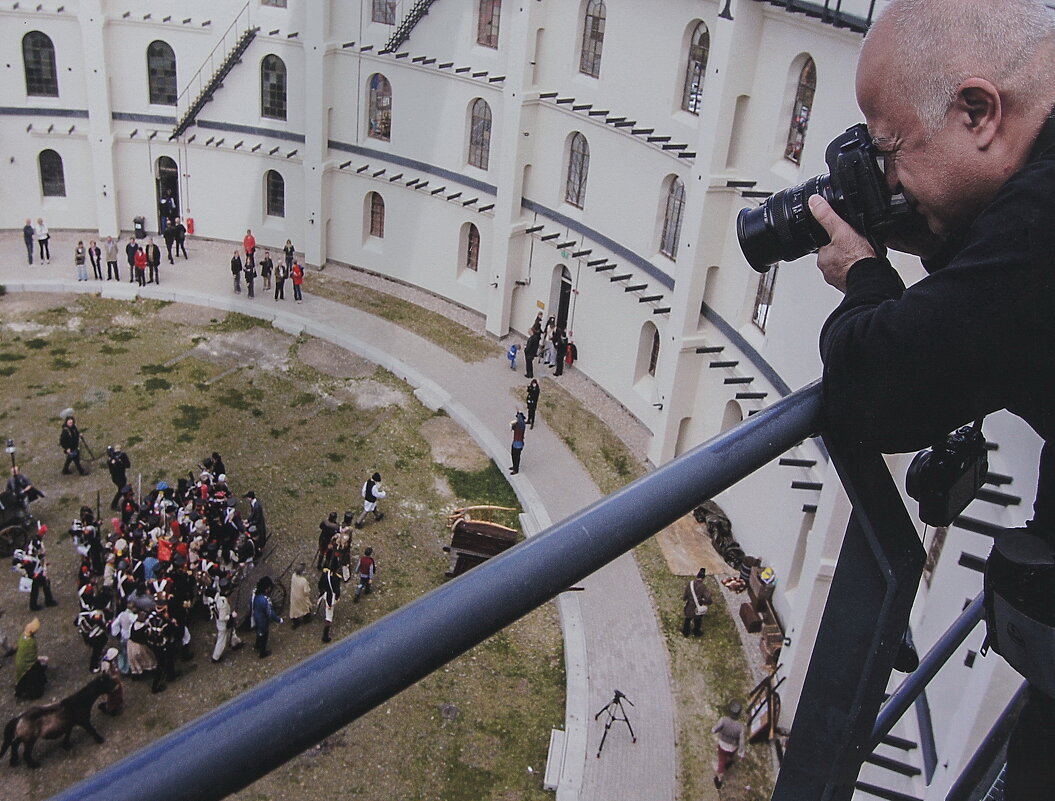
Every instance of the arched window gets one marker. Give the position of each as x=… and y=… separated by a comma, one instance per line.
x=647, y=351
x=592, y=39
x=384, y=11
x=764, y=298
x=377, y=215
x=653, y=356
x=668, y=243
x=480, y=134
x=273, y=88
x=472, y=247
x=38, y=58
x=52, y=177
x=696, y=68
x=578, y=169
x=380, y=112
x=487, y=25
x=161, y=74
x=800, y=111
x=275, y=194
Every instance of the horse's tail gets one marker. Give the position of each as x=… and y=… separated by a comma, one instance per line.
x=9, y=735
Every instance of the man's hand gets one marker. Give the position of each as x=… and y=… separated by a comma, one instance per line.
x=846, y=248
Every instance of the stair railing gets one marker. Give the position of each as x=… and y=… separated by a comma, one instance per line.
x=213, y=62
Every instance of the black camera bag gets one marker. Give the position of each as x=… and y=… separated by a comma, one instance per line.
x=1020, y=605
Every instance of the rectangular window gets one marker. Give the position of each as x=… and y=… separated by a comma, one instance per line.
x=275, y=3
x=385, y=12
x=764, y=297
x=487, y=27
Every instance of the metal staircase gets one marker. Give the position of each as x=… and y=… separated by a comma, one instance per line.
x=209, y=77
x=406, y=25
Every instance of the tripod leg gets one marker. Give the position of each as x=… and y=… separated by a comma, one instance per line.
x=604, y=736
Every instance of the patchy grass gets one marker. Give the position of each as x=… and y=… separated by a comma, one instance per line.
x=507, y=693
x=459, y=340
x=706, y=672
x=606, y=458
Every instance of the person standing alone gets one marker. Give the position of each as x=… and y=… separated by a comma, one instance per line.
x=70, y=442
x=516, y=450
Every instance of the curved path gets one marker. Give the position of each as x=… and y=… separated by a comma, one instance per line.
x=611, y=635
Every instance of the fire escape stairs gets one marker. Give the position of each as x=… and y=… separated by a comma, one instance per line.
x=215, y=82
x=406, y=25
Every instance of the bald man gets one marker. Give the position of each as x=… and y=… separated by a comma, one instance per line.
x=958, y=97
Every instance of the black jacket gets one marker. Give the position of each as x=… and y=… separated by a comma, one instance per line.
x=903, y=367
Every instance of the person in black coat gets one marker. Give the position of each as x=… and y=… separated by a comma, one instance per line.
x=254, y=523
x=153, y=261
x=118, y=463
x=169, y=235
x=531, y=351
x=236, y=271
x=70, y=442
x=533, y=392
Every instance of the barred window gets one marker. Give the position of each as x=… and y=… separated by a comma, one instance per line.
x=273, y=88
x=653, y=356
x=380, y=116
x=764, y=297
x=275, y=192
x=800, y=111
x=487, y=24
x=592, y=39
x=38, y=58
x=384, y=11
x=668, y=244
x=578, y=169
x=695, y=69
x=480, y=134
x=161, y=74
x=472, y=247
x=377, y=215
x=275, y=3
x=52, y=177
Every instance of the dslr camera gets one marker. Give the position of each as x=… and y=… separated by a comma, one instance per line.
x=783, y=229
x=945, y=478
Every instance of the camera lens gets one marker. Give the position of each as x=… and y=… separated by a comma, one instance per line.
x=782, y=228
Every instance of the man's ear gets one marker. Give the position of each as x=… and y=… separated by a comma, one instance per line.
x=979, y=109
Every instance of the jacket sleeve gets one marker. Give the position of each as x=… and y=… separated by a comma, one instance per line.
x=903, y=367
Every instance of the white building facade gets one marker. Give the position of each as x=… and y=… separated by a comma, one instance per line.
x=585, y=159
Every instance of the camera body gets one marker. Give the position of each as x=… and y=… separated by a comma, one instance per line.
x=783, y=229
x=945, y=478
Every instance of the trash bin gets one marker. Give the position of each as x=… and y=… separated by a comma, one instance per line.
x=139, y=224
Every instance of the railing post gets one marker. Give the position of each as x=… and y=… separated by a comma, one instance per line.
x=862, y=627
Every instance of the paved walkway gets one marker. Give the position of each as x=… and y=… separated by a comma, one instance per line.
x=611, y=634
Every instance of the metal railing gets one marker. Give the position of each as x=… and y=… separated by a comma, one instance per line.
x=198, y=86
x=838, y=720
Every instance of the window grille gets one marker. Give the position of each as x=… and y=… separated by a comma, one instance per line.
x=578, y=169
x=38, y=58
x=696, y=69
x=276, y=194
x=377, y=215
x=592, y=39
x=161, y=74
x=384, y=11
x=380, y=100
x=273, y=88
x=668, y=245
x=472, y=248
x=764, y=298
x=480, y=134
x=800, y=111
x=52, y=177
x=487, y=25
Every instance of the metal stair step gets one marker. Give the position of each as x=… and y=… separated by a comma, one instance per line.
x=883, y=792
x=895, y=765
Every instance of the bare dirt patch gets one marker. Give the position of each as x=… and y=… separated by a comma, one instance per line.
x=451, y=446
x=370, y=394
x=263, y=347
x=186, y=314
x=333, y=360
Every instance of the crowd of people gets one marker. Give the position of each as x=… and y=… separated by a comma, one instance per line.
x=244, y=268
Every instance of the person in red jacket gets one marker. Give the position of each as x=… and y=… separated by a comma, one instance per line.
x=298, y=279
x=140, y=262
x=249, y=242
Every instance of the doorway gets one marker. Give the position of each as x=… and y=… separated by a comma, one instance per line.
x=167, y=186
x=563, y=297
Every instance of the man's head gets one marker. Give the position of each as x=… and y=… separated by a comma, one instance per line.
x=954, y=92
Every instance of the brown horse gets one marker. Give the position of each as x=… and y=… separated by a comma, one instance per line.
x=55, y=720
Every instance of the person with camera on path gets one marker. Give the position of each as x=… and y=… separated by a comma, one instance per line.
x=958, y=96
x=697, y=600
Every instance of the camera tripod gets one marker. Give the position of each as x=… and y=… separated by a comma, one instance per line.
x=615, y=711
x=87, y=448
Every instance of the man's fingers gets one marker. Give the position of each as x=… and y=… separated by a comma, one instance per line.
x=822, y=212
